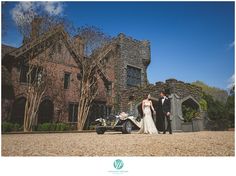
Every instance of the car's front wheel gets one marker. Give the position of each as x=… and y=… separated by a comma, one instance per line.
x=127, y=127
x=100, y=130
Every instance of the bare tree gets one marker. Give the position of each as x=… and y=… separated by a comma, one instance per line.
x=93, y=38
x=36, y=87
x=39, y=77
x=91, y=67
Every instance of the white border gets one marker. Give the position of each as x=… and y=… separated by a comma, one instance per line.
x=76, y=166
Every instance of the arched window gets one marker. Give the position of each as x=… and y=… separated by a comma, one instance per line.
x=190, y=109
x=45, y=111
x=18, y=111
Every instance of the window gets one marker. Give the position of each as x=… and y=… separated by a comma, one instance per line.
x=35, y=75
x=99, y=109
x=102, y=110
x=66, y=80
x=109, y=89
x=23, y=74
x=108, y=110
x=133, y=76
x=73, y=112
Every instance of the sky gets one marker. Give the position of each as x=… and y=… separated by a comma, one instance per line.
x=189, y=40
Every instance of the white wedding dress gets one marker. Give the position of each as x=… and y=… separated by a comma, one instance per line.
x=147, y=123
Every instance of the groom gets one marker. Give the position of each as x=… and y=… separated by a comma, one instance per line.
x=164, y=110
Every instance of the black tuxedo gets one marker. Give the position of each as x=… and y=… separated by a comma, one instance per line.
x=163, y=108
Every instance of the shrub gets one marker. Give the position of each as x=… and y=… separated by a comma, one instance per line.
x=62, y=127
x=203, y=104
x=59, y=127
x=229, y=108
x=215, y=109
x=8, y=127
x=53, y=127
x=17, y=127
x=44, y=127
x=189, y=113
x=92, y=127
x=218, y=113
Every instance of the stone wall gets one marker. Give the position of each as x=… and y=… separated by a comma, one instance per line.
x=178, y=92
x=183, y=89
x=132, y=53
x=171, y=85
x=129, y=52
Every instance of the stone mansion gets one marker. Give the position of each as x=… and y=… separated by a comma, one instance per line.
x=127, y=60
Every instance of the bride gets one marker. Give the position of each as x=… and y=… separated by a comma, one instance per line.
x=147, y=126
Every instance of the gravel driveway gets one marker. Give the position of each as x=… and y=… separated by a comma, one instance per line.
x=115, y=144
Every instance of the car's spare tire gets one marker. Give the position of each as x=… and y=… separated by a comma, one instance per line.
x=100, y=130
x=127, y=127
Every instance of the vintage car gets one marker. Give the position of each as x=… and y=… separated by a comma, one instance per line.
x=122, y=122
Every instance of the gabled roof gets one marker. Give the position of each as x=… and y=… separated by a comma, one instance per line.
x=7, y=49
x=39, y=44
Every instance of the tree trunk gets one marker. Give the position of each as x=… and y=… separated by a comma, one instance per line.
x=86, y=97
x=31, y=108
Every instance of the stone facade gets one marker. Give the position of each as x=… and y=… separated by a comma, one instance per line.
x=56, y=66
x=126, y=65
x=132, y=53
x=178, y=91
x=125, y=52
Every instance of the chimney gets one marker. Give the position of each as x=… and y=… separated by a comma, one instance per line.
x=35, y=28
